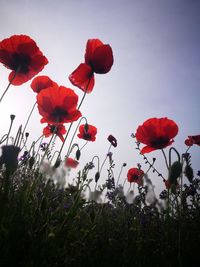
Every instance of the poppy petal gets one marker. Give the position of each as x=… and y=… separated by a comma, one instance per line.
x=20, y=78
x=41, y=82
x=20, y=52
x=102, y=59
x=58, y=105
x=83, y=78
x=91, y=45
x=147, y=149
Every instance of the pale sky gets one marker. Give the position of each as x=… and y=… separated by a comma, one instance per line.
x=156, y=71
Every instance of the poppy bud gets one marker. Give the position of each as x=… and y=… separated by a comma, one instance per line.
x=10, y=157
x=97, y=176
x=175, y=171
x=78, y=154
x=12, y=117
x=57, y=163
x=189, y=173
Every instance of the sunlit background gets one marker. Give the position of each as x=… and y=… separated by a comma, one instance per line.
x=156, y=71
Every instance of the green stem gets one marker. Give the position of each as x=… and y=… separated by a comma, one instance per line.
x=119, y=174
x=16, y=72
x=52, y=137
x=83, y=145
x=72, y=122
x=9, y=131
x=74, y=134
x=28, y=121
x=165, y=159
x=105, y=159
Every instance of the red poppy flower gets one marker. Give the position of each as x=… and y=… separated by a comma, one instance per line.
x=156, y=133
x=112, y=140
x=42, y=82
x=59, y=130
x=98, y=59
x=193, y=140
x=71, y=163
x=20, y=54
x=57, y=105
x=135, y=175
x=89, y=134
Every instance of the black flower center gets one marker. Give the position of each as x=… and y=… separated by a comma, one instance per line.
x=22, y=61
x=160, y=142
x=59, y=114
x=86, y=136
x=135, y=177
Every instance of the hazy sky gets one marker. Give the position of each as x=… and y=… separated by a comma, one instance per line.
x=156, y=71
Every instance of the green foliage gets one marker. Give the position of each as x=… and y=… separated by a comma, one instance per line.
x=42, y=224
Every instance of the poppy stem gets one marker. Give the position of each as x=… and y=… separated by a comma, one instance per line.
x=170, y=156
x=119, y=174
x=18, y=135
x=27, y=121
x=165, y=159
x=47, y=149
x=83, y=145
x=105, y=159
x=129, y=188
x=124, y=183
x=84, y=94
x=11, y=123
x=70, y=126
x=74, y=134
x=15, y=74
x=41, y=137
x=3, y=138
x=97, y=170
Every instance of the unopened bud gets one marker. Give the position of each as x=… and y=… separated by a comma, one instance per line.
x=78, y=154
x=175, y=171
x=97, y=176
x=57, y=163
x=12, y=117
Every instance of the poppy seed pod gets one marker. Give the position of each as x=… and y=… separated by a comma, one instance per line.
x=78, y=154
x=12, y=117
x=10, y=157
x=175, y=171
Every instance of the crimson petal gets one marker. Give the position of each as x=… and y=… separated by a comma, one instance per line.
x=83, y=78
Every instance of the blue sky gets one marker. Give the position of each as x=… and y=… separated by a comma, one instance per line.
x=156, y=71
